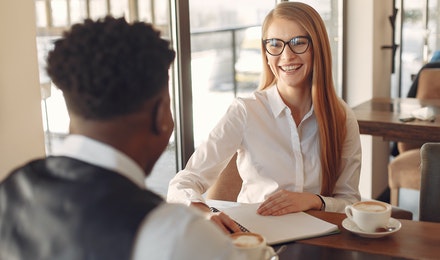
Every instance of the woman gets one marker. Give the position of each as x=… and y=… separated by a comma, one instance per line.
x=298, y=144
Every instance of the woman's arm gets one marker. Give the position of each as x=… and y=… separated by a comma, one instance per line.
x=210, y=158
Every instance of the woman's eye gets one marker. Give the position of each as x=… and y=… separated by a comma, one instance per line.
x=274, y=43
x=298, y=41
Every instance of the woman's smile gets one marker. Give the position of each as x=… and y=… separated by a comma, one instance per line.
x=289, y=68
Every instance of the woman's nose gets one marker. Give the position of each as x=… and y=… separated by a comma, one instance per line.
x=287, y=52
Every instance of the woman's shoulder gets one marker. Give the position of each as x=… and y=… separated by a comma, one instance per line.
x=347, y=108
x=351, y=120
x=256, y=96
x=257, y=101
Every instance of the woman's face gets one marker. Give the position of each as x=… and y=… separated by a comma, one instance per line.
x=290, y=69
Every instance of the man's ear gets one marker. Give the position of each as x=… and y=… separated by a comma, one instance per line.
x=159, y=123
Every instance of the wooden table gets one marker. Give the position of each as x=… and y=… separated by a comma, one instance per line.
x=415, y=240
x=380, y=117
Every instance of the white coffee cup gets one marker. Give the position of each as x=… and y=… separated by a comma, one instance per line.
x=369, y=215
x=252, y=245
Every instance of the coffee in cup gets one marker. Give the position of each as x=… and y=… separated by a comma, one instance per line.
x=369, y=215
x=252, y=245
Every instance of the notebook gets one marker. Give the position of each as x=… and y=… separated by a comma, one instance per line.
x=278, y=229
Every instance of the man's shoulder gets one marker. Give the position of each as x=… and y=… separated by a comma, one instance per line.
x=178, y=209
x=166, y=214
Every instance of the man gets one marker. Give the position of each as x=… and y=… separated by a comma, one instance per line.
x=89, y=200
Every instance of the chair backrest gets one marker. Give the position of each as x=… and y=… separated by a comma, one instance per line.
x=429, y=83
x=414, y=86
x=428, y=87
x=228, y=185
x=430, y=183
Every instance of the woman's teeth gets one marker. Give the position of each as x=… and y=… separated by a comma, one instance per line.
x=290, y=68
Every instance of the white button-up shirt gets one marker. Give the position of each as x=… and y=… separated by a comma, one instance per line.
x=170, y=231
x=273, y=154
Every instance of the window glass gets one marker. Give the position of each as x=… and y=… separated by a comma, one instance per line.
x=78, y=11
x=98, y=8
x=118, y=8
x=419, y=43
x=40, y=8
x=225, y=53
x=433, y=31
x=59, y=12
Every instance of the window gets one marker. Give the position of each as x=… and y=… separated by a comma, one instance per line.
x=221, y=32
x=419, y=41
x=225, y=41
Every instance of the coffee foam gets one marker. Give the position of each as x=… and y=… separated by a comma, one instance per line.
x=370, y=206
x=246, y=240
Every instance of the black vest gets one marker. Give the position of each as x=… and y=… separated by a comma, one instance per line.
x=62, y=208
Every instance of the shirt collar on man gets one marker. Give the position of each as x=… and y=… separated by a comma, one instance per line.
x=100, y=154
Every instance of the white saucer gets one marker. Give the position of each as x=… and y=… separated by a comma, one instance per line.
x=352, y=227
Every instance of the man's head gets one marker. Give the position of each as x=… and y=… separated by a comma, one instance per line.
x=114, y=77
x=108, y=68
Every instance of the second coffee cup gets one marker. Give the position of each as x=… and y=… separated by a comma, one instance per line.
x=369, y=215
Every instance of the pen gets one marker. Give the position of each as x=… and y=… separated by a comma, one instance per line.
x=242, y=228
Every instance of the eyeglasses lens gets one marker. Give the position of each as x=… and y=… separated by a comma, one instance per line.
x=298, y=45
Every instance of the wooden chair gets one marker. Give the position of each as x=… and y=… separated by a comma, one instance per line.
x=404, y=169
x=428, y=82
x=429, y=206
x=229, y=184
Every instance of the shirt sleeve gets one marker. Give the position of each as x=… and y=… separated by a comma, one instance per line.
x=347, y=186
x=179, y=232
x=210, y=158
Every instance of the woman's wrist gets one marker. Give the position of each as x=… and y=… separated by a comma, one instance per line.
x=322, y=207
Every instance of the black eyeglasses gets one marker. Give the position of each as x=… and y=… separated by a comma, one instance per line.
x=298, y=45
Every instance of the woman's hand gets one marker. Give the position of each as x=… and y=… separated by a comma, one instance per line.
x=223, y=221
x=283, y=202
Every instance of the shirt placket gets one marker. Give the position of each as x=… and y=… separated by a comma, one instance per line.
x=298, y=165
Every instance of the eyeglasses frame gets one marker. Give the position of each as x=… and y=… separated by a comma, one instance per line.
x=265, y=41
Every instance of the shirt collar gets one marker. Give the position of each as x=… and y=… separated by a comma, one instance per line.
x=100, y=154
x=277, y=104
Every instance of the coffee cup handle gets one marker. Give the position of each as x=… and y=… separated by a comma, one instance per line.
x=348, y=212
x=270, y=254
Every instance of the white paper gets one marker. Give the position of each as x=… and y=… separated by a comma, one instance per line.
x=424, y=113
x=279, y=229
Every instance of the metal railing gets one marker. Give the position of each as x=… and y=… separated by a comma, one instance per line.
x=233, y=31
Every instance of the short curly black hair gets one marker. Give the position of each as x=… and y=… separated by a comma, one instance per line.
x=108, y=67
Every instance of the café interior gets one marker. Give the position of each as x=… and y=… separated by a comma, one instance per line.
x=378, y=49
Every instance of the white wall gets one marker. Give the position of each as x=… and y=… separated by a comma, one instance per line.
x=21, y=130
x=368, y=69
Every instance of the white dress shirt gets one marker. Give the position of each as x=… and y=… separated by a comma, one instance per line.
x=273, y=154
x=170, y=231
